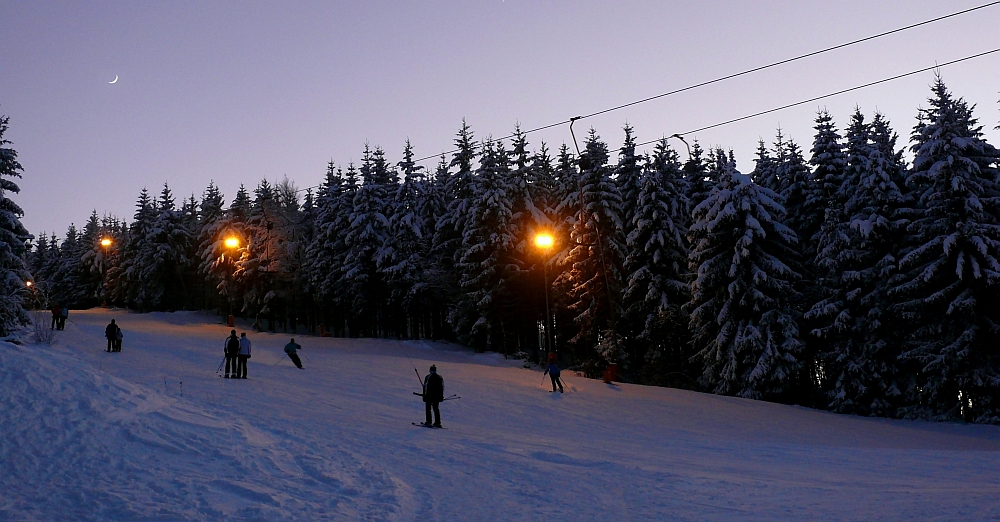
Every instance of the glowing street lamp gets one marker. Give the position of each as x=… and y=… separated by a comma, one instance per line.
x=232, y=242
x=106, y=242
x=544, y=242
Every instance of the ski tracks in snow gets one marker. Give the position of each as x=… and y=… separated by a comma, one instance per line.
x=78, y=444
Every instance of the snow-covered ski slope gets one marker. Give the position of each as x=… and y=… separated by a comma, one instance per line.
x=152, y=434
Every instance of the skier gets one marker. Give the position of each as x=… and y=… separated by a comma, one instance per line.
x=290, y=349
x=111, y=332
x=63, y=315
x=244, y=354
x=433, y=395
x=552, y=370
x=56, y=313
x=231, y=347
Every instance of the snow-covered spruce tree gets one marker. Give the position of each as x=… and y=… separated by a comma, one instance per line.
x=93, y=262
x=131, y=288
x=487, y=264
x=166, y=256
x=368, y=242
x=765, y=172
x=13, y=240
x=857, y=255
x=656, y=268
x=447, y=240
x=410, y=242
x=627, y=175
x=326, y=254
x=950, y=275
x=794, y=178
x=697, y=184
x=597, y=250
x=216, y=261
x=743, y=325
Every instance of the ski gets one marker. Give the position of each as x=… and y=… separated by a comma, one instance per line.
x=422, y=425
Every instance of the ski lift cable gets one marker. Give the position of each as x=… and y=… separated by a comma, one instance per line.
x=736, y=75
x=810, y=100
x=743, y=73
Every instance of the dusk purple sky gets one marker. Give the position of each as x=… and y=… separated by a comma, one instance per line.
x=237, y=92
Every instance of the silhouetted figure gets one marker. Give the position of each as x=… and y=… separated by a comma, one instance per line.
x=242, y=356
x=290, y=349
x=111, y=333
x=231, y=348
x=433, y=395
x=553, y=371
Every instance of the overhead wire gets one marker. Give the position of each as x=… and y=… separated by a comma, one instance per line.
x=746, y=72
x=810, y=100
x=735, y=75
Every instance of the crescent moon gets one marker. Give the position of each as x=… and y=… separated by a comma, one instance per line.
x=116, y=79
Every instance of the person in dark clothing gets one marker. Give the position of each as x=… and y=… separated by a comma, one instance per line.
x=290, y=349
x=242, y=356
x=553, y=372
x=56, y=314
x=63, y=315
x=118, y=340
x=111, y=332
x=232, y=351
x=433, y=395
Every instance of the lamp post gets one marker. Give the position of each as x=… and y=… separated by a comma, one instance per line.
x=232, y=243
x=544, y=242
x=106, y=243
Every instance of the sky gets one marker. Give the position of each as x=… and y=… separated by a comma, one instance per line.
x=237, y=92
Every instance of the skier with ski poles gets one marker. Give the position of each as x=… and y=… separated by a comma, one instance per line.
x=433, y=396
x=290, y=349
x=231, y=348
x=552, y=370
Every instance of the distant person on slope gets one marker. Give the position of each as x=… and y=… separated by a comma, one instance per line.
x=244, y=354
x=63, y=315
x=433, y=395
x=290, y=349
x=552, y=370
x=231, y=347
x=118, y=340
x=111, y=332
x=56, y=313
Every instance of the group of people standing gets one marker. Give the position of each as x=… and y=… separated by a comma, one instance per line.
x=237, y=351
x=59, y=315
x=114, y=335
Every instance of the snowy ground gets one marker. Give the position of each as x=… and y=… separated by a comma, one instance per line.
x=152, y=434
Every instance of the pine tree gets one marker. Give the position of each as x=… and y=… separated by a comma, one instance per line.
x=744, y=328
x=948, y=285
x=857, y=255
x=487, y=265
x=410, y=240
x=367, y=240
x=594, y=261
x=13, y=240
x=656, y=265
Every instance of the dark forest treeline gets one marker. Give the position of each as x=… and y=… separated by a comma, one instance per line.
x=838, y=277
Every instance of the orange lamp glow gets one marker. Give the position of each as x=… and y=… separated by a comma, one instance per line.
x=544, y=240
x=232, y=242
x=28, y=283
x=105, y=242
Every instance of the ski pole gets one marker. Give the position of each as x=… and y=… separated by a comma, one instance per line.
x=453, y=397
x=223, y=362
